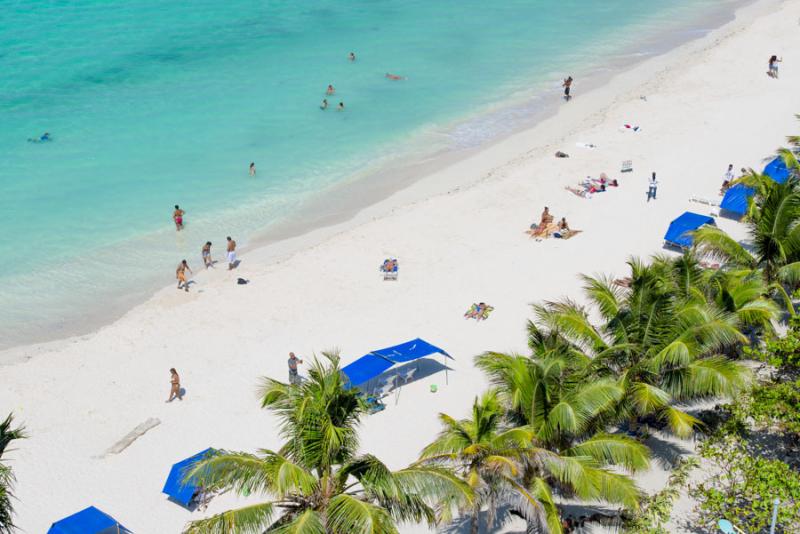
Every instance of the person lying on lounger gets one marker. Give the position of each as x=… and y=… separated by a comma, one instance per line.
x=389, y=265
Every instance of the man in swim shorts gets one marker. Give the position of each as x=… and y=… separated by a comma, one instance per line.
x=294, y=376
x=180, y=274
x=177, y=216
x=566, y=85
x=206, y=252
x=231, y=253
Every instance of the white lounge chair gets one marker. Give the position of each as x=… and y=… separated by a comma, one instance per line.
x=407, y=375
x=627, y=166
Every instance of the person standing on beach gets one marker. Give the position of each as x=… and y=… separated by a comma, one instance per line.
x=567, y=85
x=294, y=377
x=175, y=387
x=231, y=253
x=652, y=188
x=773, y=66
x=252, y=168
x=729, y=174
x=177, y=216
x=180, y=274
x=206, y=252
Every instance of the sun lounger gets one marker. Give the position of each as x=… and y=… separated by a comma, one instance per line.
x=407, y=375
x=627, y=166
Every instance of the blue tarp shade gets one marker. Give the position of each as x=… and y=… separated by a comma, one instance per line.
x=179, y=490
x=776, y=169
x=378, y=361
x=88, y=521
x=678, y=232
x=735, y=199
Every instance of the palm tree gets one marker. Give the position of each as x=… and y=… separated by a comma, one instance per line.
x=774, y=227
x=7, y=479
x=316, y=482
x=660, y=346
x=505, y=464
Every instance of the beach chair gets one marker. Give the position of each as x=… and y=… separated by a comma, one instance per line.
x=391, y=275
x=407, y=375
x=726, y=527
x=627, y=166
x=375, y=405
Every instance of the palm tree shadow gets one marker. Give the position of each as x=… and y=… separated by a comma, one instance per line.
x=667, y=454
x=461, y=525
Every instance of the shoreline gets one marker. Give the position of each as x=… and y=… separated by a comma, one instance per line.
x=375, y=186
x=709, y=104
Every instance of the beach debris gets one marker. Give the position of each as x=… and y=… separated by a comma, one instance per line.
x=560, y=154
x=131, y=436
x=627, y=166
x=585, y=145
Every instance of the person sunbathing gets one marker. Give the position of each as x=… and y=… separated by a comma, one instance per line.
x=546, y=218
x=389, y=265
x=479, y=311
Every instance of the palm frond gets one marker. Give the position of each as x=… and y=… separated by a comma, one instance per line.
x=614, y=450
x=253, y=519
x=349, y=515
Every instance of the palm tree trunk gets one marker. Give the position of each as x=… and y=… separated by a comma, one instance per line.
x=475, y=522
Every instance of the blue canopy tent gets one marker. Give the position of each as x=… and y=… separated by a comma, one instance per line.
x=776, y=169
x=678, y=232
x=88, y=521
x=378, y=361
x=179, y=490
x=736, y=199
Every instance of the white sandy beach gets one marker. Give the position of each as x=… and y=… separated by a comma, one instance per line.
x=459, y=237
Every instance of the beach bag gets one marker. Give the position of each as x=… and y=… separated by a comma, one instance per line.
x=242, y=281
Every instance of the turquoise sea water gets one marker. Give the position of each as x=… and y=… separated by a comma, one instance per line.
x=152, y=103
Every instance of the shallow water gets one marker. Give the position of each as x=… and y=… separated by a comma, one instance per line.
x=152, y=103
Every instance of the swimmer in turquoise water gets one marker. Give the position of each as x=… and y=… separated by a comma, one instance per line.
x=42, y=138
x=324, y=104
x=341, y=106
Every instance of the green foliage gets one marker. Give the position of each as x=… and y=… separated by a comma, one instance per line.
x=7, y=479
x=777, y=404
x=784, y=352
x=656, y=509
x=744, y=487
x=317, y=482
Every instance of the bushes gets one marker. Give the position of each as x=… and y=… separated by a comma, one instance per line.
x=744, y=488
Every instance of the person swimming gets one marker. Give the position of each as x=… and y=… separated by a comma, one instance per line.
x=394, y=76
x=352, y=56
x=340, y=107
x=330, y=90
x=324, y=104
x=45, y=137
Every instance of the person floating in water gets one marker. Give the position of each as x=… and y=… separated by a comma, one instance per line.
x=340, y=107
x=252, y=168
x=324, y=104
x=352, y=56
x=45, y=137
x=567, y=85
x=395, y=76
x=330, y=90
x=177, y=216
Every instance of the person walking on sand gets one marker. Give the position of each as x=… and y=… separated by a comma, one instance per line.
x=294, y=376
x=180, y=274
x=652, y=188
x=567, y=85
x=252, y=168
x=231, y=253
x=175, y=386
x=773, y=66
x=177, y=216
x=729, y=174
x=206, y=252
